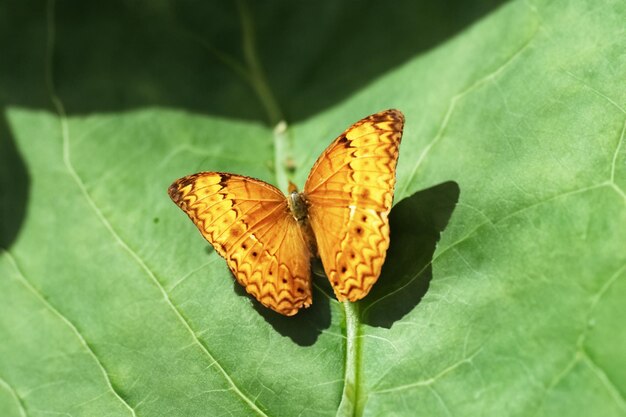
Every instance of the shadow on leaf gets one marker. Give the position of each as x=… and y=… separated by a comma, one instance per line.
x=14, y=186
x=416, y=225
x=192, y=55
x=304, y=327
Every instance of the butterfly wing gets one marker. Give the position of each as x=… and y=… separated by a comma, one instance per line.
x=350, y=193
x=248, y=222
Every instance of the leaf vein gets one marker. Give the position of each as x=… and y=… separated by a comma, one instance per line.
x=18, y=401
x=614, y=161
x=105, y=374
x=605, y=380
x=431, y=380
x=107, y=224
x=456, y=98
x=472, y=232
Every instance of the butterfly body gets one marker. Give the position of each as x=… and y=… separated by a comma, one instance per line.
x=297, y=205
x=268, y=238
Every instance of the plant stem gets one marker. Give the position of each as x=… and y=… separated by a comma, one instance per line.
x=255, y=70
x=351, y=400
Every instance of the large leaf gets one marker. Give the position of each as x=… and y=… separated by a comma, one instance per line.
x=506, y=275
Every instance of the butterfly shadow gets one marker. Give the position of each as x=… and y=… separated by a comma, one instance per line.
x=416, y=224
x=303, y=328
x=14, y=187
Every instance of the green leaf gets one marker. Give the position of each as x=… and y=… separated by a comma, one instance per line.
x=506, y=276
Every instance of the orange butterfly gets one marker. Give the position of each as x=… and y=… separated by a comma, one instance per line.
x=268, y=239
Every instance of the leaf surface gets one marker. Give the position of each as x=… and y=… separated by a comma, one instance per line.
x=504, y=285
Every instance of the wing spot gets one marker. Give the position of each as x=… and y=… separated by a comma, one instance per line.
x=365, y=193
x=224, y=178
x=300, y=290
x=364, y=218
x=284, y=279
x=343, y=269
x=359, y=230
x=255, y=254
x=244, y=246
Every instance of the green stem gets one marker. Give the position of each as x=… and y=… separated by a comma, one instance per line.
x=258, y=81
x=281, y=155
x=255, y=70
x=351, y=401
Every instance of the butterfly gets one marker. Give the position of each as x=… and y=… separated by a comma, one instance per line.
x=268, y=239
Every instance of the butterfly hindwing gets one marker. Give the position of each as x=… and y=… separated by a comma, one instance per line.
x=248, y=222
x=350, y=192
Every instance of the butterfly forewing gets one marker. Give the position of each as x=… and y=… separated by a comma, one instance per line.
x=248, y=222
x=349, y=193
